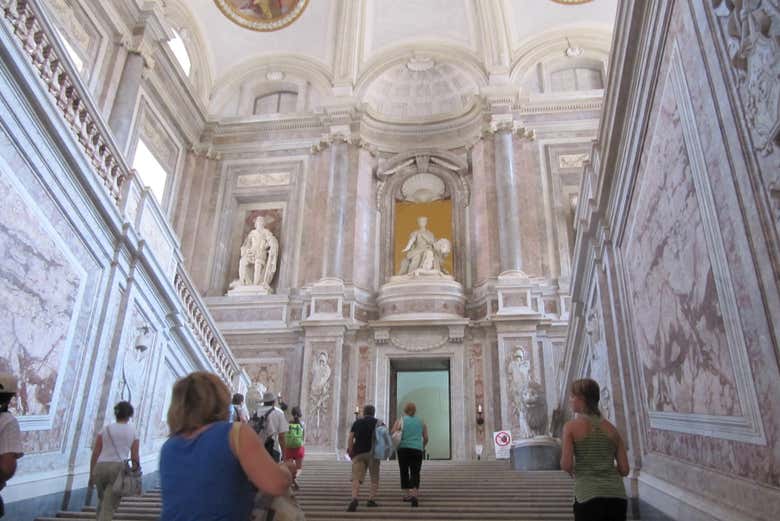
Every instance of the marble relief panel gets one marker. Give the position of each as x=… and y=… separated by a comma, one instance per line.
x=41, y=286
x=265, y=375
x=159, y=417
x=677, y=319
x=596, y=364
x=320, y=393
x=133, y=366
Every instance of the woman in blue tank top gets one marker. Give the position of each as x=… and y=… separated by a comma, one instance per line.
x=414, y=438
x=209, y=467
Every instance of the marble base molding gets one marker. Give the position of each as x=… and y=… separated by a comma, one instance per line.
x=259, y=290
x=421, y=297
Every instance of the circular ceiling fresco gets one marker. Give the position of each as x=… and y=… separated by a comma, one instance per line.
x=262, y=15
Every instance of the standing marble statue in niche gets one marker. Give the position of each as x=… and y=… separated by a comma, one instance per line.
x=424, y=254
x=257, y=265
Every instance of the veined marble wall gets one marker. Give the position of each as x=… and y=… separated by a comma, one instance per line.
x=80, y=275
x=675, y=288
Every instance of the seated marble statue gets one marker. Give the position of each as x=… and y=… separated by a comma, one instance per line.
x=424, y=254
x=260, y=250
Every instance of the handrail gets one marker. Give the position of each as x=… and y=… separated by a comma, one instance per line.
x=202, y=324
x=71, y=97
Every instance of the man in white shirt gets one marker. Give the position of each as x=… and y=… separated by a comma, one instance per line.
x=10, y=435
x=275, y=425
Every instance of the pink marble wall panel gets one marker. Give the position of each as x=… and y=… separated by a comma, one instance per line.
x=39, y=296
x=314, y=219
x=681, y=345
x=364, y=370
x=484, y=226
x=533, y=234
x=248, y=314
x=678, y=326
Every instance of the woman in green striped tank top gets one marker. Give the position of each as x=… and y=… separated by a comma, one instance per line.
x=594, y=453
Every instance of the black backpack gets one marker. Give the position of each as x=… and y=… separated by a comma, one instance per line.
x=258, y=424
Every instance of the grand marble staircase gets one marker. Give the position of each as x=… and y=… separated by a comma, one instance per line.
x=475, y=491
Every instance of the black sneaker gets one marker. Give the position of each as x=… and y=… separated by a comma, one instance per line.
x=414, y=502
x=371, y=503
x=352, y=505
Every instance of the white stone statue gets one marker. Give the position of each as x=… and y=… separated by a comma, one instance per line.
x=424, y=254
x=257, y=265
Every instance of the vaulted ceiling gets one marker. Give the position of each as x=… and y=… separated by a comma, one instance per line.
x=350, y=35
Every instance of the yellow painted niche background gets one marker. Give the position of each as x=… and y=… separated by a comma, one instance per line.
x=439, y=214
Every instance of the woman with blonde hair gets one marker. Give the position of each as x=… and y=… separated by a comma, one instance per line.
x=414, y=438
x=594, y=453
x=208, y=465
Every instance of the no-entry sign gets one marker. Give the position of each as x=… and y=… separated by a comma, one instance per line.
x=502, y=441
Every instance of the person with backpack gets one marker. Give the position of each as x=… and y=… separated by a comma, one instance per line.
x=293, y=440
x=270, y=423
x=360, y=447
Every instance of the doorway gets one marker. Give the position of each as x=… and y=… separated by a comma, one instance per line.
x=426, y=382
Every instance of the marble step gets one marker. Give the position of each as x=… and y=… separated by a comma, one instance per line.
x=483, y=491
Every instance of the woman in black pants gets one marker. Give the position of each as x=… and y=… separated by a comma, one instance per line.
x=414, y=438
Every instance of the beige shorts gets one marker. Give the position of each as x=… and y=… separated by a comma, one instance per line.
x=363, y=462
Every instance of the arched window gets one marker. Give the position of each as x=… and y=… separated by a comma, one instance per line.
x=583, y=76
x=180, y=52
x=281, y=102
x=151, y=171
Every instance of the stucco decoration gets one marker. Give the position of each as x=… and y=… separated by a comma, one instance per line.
x=421, y=89
x=753, y=27
x=262, y=15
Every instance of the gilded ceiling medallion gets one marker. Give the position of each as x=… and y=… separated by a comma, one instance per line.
x=262, y=15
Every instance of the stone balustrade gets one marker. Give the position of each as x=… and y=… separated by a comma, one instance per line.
x=202, y=325
x=69, y=94
x=36, y=40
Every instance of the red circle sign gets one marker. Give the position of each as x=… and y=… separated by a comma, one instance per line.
x=502, y=439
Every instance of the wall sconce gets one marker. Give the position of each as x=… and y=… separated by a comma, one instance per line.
x=480, y=415
x=144, y=339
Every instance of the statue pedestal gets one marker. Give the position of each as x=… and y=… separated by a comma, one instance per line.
x=537, y=453
x=249, y=291
x=421, y=295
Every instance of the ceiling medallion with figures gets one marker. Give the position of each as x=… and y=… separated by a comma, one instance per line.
x=262, y=15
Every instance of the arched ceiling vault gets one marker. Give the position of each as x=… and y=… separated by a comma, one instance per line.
x=417, y=52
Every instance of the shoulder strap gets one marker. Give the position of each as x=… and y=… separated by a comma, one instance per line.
x=235, y=436
x=111, y=439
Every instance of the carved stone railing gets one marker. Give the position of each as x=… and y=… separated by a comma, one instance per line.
x=45, y=54
x=205, y=330
x=68, y=94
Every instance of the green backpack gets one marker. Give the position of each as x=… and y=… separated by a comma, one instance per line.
x=294, y=437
